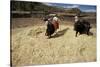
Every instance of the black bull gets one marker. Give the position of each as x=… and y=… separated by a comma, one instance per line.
x=50, y=28
x=82, y=27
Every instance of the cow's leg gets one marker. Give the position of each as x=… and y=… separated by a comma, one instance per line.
x=80, y=32
x=46, y=34
x=88, y=31
x=76, y=33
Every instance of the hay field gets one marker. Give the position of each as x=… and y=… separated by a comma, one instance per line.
x=30, y=46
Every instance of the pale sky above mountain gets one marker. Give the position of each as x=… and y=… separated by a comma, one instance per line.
x=85, y=8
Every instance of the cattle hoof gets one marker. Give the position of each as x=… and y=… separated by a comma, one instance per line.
x=45, y=34
x=76, y=36
x=49, y=37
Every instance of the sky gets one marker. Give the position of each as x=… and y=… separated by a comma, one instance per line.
x=84, y=8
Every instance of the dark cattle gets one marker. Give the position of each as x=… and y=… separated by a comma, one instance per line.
x=82, y=27
x=50, y=29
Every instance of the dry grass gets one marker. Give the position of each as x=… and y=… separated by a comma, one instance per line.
x=31, y=46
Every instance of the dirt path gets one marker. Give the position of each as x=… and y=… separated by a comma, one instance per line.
x=31, y=46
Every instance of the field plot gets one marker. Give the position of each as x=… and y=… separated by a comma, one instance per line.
x=31, y=46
